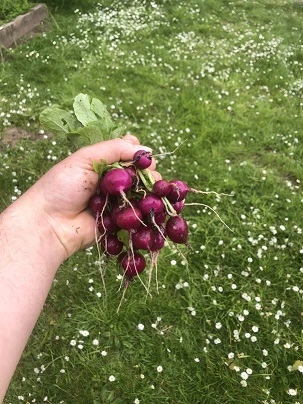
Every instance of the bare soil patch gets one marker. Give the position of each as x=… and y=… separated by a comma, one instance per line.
x=12, y=135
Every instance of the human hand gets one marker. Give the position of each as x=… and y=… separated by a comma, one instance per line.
x=62, y=194
x=42, y=228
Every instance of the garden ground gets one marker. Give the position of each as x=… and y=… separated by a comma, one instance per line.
x=221, y=82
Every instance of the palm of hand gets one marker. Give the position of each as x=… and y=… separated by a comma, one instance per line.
x=67, y=188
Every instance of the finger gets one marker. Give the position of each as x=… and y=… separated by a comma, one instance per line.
x=152, y=167
x=111, y=150
x=157, y=176
x=131, y=138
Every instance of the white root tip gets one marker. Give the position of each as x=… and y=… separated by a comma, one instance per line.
x=124, y=197
x=213, y=210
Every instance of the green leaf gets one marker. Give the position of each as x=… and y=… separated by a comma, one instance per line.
x=77, y=140
x=118, y=132
x=91, y=123
x=99, y=108
x=105, y=125
x=99, y=166
x=92, y=133
x=123, y=236
x=83, y=110
x=147, y=179
x=58, y=121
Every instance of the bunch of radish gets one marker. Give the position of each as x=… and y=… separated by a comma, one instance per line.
x=136, y=215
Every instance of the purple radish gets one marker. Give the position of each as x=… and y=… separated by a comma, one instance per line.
x=178, y=191
x=129, y=218
x=111, y=245
x=102, y=187
x=161, y=188
x=155, y=219
x=115, y=209
x=159, y=240
x=151, y=204
x=143, y=238
x=177, y=229
x=133, y=173
x=106, y=224
x=160, y=217
x=97, y=203
x=133, y=264
x=117, y=181
x=178, y=206
x=142, y=159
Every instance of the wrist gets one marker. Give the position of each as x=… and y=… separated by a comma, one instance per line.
x=29, y=236
x=30, y=255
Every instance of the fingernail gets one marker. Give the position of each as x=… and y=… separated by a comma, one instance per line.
x=130, y=138
x=146, y=148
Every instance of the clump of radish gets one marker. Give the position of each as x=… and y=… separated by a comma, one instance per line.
x=137, y=216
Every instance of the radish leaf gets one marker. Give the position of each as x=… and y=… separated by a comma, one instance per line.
x=100, y=109
x=92, y=133
x=77, y=140
x=90, y=123
x=83, y=110
x=123, y=236
x=104, y=125
x=99, y=166
x=58, y=121
x=118, y=132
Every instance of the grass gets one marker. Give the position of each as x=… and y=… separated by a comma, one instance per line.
x=10, y=9
x=227, y=80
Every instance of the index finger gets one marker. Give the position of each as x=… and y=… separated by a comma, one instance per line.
x=112, y=151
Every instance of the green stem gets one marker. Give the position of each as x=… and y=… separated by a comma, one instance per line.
x=169, y=208
x=147, y=179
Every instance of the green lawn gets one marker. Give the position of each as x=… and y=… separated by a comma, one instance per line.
x=223, y=81
x=10, y=9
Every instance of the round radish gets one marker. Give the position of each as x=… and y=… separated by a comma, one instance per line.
x=106, y=224
x=143, y=238
x=102, y=187
x=177, y=229
x=111, y=245
x=115, y=209
x=133, y=264
x=178, y=191
x=117, y=181
x=178, y=206
x=133, y=173
x=97, y=203
x=160, y=217
x=151, y=204
x=129, y=218
x=142, y=159
x=159, y=240
x=161, y=188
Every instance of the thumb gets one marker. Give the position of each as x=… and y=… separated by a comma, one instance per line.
x=112, y=150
